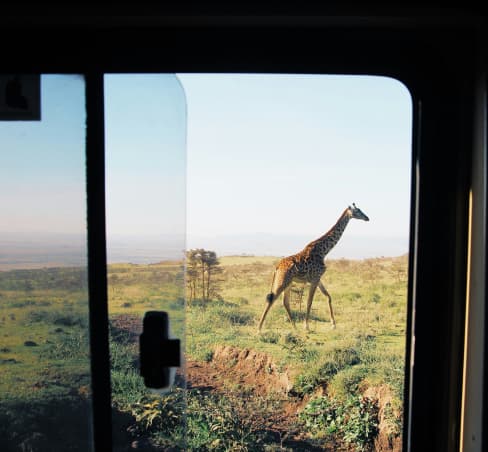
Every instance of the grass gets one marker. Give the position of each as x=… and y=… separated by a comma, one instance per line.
x=369, y=301
x=49, y=308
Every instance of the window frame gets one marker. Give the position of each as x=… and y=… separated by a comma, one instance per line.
x=436, y=59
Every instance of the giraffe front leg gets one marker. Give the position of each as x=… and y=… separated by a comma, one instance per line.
x=326, y=293
x=311, y=293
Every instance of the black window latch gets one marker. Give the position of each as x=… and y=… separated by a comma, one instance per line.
x=158, y=353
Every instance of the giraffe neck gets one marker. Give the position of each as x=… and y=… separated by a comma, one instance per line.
x=325, y=243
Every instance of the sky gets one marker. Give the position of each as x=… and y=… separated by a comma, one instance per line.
x=273, y=160
x=42, y=166
x=255, y=164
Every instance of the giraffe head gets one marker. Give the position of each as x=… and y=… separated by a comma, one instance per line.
x=357, y=213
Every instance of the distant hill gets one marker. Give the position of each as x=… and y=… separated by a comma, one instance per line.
x=18, y=251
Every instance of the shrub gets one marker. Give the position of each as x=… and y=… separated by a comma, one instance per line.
x=375, y=298
x=346, y=382
x=229, y=313
x=163, y=414
x=68, y=346
x=361, y=422
x=291, y=339
x=214, y=423
x=340, y=359
x=322, y=417
x=305, y=384
x=270, y=337
x=127, y=388
x=70, y=320
x=355, y=421
x=122, y=357
x=323, y=373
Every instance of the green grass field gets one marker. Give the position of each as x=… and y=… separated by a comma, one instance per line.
x=45, y=371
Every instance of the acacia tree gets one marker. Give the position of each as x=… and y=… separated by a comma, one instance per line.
x=202, y=268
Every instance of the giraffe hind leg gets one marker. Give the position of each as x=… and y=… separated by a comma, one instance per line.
x=286, y=304
x=329, y=299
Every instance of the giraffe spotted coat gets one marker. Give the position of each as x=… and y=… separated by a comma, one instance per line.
x=308, y=266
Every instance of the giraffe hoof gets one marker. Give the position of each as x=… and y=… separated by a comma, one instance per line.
x=333, y=326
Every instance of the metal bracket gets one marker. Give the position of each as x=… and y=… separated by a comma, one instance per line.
x=158, y=353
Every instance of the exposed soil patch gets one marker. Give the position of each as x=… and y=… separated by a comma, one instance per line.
x=129, y=324
x=387, y=439
x=236, y=367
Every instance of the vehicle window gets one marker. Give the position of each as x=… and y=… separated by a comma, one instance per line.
x=275, y=163
x=145, y=121
x=44, y=351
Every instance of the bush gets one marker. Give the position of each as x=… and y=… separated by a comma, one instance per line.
x=214, y=423
x=361, y=422
x=68, y=347
x=319, y=375
x=346, y=382
x=229, y=313
x=270, y=337
x=322, y=417
x=193, y=420
x=355, y=421
x=127, y=388
x=340, y=359
x=161, y=414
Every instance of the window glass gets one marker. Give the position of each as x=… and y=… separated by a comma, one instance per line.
x=44, y=351
x=145, y=120
x=274, y=163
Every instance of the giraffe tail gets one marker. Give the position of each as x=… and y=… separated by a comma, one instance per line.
x=271, y=296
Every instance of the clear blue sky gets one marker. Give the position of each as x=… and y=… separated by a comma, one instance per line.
x=42, y=169
x=284, y=155
x=242, y=160
x=145, y=124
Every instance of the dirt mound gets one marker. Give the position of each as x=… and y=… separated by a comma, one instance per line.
x=251, y=368
x=387, y=439
x=254, y=376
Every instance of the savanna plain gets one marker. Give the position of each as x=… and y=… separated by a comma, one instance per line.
x=284, y=389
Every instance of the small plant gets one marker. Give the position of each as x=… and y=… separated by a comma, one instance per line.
x=127, y=388
x=68, y=346
x=355, y=422
x=270, y=337
x=243, y=301
x=322, y=416
x=236, y=318
x=292, y=339
x=375, y=298
x=394, y=420
x=305, y=384
x=160, y=413
x=208, y=356
x=361, y=422
x=346, y=382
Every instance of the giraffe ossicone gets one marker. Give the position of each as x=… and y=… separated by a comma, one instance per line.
x=308, y=266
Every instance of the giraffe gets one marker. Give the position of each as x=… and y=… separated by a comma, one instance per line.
x=308, y=266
